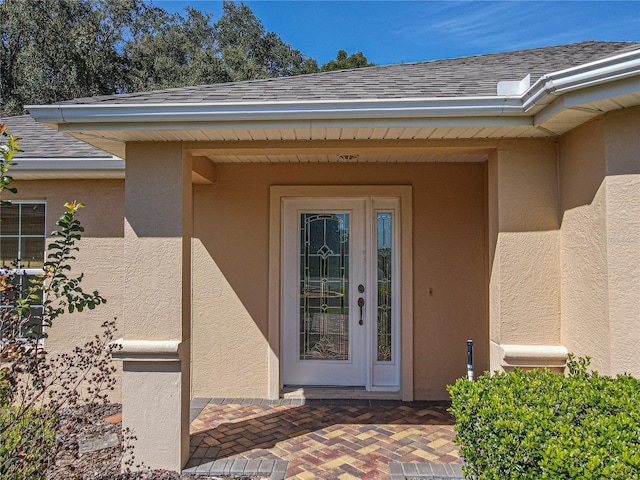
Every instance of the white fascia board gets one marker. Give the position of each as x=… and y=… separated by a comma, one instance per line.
x=591, y=74
x=80, y=166
x=586, y=95
x=163, y=113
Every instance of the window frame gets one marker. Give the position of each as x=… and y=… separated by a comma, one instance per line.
x=20, y=270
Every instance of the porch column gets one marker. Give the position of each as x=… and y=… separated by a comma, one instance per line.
x=622, y=188
x=157, y=303
x=524, y=286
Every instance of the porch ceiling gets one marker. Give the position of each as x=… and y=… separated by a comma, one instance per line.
x=114, y=141
x=353, y=158
x=342, y=151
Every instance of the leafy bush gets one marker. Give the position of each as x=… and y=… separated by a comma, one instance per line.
x=35, y=386
x=22, y=454
x=539, y=425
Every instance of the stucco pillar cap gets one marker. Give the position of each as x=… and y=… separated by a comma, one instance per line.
x=534, y=355
x=147, y=350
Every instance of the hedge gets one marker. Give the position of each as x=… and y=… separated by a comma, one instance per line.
x=539, y=425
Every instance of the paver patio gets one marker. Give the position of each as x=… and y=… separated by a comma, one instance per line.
x=320, y=439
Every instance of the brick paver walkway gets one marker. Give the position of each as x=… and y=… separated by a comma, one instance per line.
x=325, y=441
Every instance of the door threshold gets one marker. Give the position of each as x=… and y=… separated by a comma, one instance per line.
x=343, y=393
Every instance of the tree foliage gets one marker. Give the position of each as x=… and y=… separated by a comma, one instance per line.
x=55, y=50
x=249, y=52
x=344, y=61
x=60, y=49
x=172, y=50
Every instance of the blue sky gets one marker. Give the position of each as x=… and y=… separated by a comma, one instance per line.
x=407, y=31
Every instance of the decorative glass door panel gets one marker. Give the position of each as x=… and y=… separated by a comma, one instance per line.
x=384, y=331
x=323, y=255
x=339, y=306
x=324, y=286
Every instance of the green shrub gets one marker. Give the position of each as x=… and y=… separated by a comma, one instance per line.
x=540, y=425
x=26, y=440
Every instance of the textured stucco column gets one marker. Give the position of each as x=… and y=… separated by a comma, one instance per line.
x=157, y=303
x=600, y=207
x=622, y=187
x=524, y=295
x=583, y=209
x=623, y=271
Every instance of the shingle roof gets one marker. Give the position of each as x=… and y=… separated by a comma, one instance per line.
x=475, y=75
x=40, y=141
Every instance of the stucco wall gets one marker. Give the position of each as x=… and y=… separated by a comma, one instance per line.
x=585, y=292
x=157, y=302
x=230, y=268
x=100, y=257
x=622, y=151
x=600, y=205
x=153, y=227
x=524, y=246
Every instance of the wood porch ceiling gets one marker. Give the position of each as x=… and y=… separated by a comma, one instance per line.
x=365, y=151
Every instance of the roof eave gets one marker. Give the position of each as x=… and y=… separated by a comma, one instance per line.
x=77, y=167
x=170, y=113
x=618, y=67
x=494, y=110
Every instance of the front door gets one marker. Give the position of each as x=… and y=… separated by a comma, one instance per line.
x=339, y=324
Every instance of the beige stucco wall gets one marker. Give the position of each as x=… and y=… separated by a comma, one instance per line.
x=230, y=268
x=230, y=313
x=158, y=230
x=585, y=292
x=100, y=257
x=622, y=151
x=153, y=242
x=524, y=292
x=600, y=206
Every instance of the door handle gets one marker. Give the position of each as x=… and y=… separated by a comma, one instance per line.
x=361, y=304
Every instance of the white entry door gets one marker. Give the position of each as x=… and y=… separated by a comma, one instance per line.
x=337, y=297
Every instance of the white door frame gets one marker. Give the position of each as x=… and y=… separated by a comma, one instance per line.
x=404, y=195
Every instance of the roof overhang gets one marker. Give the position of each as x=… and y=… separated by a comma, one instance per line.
x=556, y=103
x=67, y=168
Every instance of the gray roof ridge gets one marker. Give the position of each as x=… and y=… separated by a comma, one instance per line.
x=633, y=45
x=630, y=44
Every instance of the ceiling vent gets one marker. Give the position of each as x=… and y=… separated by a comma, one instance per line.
x=348, y=157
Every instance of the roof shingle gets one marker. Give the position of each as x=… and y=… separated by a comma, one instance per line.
x=475, y=75
x=41, y=142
